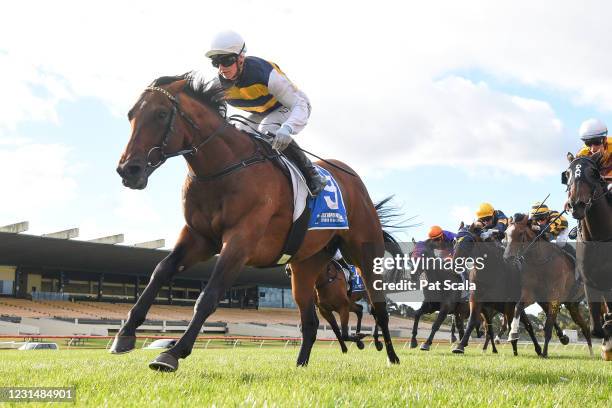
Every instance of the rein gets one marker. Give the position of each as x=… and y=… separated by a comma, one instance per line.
x=247, y=122
x=257, y=157
x=523, y=253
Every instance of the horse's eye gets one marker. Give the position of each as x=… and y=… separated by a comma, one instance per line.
x=162, y=115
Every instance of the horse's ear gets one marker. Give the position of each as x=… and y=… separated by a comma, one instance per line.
x=462, y=225
x=511, y=220
x=413, y=240
x=570, y=157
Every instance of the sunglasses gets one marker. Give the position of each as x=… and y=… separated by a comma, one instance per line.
x=225, y=60
x=485, y=220
x=594, y=142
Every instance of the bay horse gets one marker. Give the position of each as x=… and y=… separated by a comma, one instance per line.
x=496, y=286
x=237, y=203
x=590, y=202
x=547, y=276
x=332, y=296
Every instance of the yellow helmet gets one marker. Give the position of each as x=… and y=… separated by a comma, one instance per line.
x=539, y=210
x=484, y=210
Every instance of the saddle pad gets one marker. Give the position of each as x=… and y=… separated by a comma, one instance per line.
x=357, y=284
x=327, y=209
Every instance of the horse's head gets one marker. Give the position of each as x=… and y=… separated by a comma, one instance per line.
x=582, y=178
x=465, y=240
x=518, y=236
x=165, y=120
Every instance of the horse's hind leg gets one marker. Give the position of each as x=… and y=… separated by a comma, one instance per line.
x=188, y=250
x=358, y=310
x=365, y=253
x=434, y=328
x=329, y=316
x=415, y=325
x=453, y=338
x=574, y=309
x=551, y=316
x=489, y=330
x=529, y=328
x=304, y=275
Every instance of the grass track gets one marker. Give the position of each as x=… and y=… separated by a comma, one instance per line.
x=253, y=377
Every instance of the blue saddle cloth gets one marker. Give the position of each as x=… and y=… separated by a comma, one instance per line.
x=356, y=282
x=327, y=209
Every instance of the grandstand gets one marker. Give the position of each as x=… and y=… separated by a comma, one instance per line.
x=96, y=283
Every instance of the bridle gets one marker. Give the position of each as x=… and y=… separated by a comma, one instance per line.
x=577, y=174
x=169, y=131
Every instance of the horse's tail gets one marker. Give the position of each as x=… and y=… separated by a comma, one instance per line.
x=391, y=218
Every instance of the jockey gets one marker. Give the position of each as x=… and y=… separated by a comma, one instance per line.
x=355, y=284
x=259, y=87
x=493, y=222
x=442, y=240
x=558, y=229
x=594, y=134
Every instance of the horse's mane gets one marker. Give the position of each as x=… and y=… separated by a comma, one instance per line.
x=518, y=217
x=209, y=93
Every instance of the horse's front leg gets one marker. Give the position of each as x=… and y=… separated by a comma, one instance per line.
x=475, y=308
x=237, y=248
x=189, y=249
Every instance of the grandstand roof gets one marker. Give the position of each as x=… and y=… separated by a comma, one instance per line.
x=72, y=255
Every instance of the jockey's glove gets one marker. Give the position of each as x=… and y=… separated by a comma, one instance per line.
x=283, y=138
x=535, y=228
x=488, y=233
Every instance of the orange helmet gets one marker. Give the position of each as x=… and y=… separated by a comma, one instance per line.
x=435, y=232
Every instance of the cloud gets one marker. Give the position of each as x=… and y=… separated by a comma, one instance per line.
x=35, y=178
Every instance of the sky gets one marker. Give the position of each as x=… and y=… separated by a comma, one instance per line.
x=443, y=104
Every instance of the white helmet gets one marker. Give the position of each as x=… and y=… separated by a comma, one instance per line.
x=592, y=129
x=226, y=42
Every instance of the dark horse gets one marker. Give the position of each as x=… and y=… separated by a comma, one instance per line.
x=445, y=302
x=495, y=282
x=547, y=276
x=237, y=203
x=590, y=202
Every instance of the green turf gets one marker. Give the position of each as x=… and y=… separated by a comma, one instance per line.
x=267, y=377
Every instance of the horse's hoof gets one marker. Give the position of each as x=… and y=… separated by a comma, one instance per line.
x=360, y=344
x=164, y=362
x=378, y=345
x=542, y=355
x=344, y=350
x=424, y=347
x=393, y=359
x=413, y=343
x=494, y=351
x=123, y=344
x=458, y=350
x=564, y=340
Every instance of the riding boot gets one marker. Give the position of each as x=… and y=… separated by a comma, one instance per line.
x=316, y=182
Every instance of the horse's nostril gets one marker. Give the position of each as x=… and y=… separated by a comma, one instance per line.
x=133, y=170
